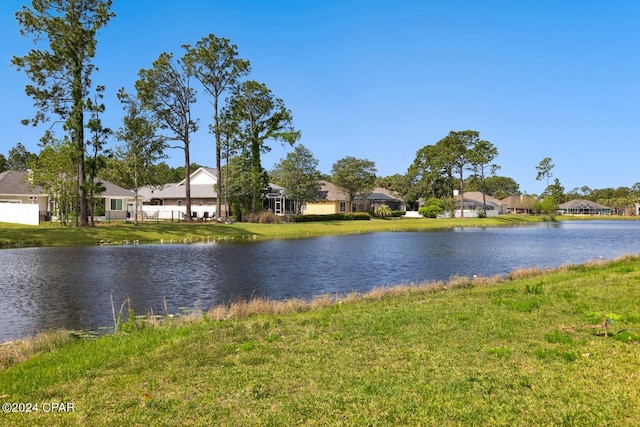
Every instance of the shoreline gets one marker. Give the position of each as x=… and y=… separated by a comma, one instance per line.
x=529, y=349
x=14, y=236
x=266, y=306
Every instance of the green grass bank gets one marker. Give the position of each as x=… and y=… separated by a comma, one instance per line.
x=14, y=235
x=117, y=233
x=554, y=347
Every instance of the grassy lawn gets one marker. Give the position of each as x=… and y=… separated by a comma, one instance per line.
x=539, y=348
x=12, y=235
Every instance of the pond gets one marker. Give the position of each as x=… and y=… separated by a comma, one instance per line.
x=73, y=287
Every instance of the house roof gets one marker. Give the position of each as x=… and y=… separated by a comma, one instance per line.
x=329, y=191
x=17, y=183
x=476, y=196
x=522, y=201
x=380, y=194
x=112, y=190
x=178, y=191
x=476, y=204
x=202, y=175
x=582, y=204
x=202, y=181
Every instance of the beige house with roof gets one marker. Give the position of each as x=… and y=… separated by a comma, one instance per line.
x=521, y=204
x=333, y=200
x=22, y=202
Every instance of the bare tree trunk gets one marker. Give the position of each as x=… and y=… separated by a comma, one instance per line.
x=187, y=181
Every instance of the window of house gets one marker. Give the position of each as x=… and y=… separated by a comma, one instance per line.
x=343, y=206
x=116, y=204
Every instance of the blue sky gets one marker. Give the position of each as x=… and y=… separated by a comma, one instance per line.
x=381, y=79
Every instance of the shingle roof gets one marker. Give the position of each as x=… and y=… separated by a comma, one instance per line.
x=515, y=202
x=112, y=190
x=477, y=197
x=177, y=191
x=17, y=183
x=329, y=191
x=582, y=204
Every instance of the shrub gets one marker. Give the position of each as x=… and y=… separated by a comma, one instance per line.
x=383, y=211
x=264, y=217
x=267, y=217
x=431, y=211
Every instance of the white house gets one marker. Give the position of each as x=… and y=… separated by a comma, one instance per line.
x=169, y=201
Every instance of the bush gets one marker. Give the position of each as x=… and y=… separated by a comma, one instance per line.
x=267, y=217
x=264, y=217
x=383, y=211
x=358, y=216
x=432, y=208
x=431, y=211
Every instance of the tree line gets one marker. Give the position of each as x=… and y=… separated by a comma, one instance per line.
x=157, y=114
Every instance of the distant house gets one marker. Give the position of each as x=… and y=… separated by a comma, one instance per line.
x=170, y=200
x=15, y=189
x=203, y=193
x=25, y=203
x=521, y=204
x=583, y=207
x=473, y=204
x=334, y=200
x=118, y=201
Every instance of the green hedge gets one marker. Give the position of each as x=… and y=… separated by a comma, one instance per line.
x=358, y=216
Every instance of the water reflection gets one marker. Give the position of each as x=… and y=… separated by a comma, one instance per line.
x=73, y=287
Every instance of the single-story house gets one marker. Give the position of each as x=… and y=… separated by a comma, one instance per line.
x=583, y=207
x=118, y=201
x=169, y=201
x=24, y=203
x=521, y=204
x=203, y=193
x=15, y=190
x=473, y=204
x=335, y=200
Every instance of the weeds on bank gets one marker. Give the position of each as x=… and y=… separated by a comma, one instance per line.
x=18, y=351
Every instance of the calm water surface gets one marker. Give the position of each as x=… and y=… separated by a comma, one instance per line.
x=72, y=287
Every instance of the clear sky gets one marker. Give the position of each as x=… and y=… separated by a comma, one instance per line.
x=381, y=79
